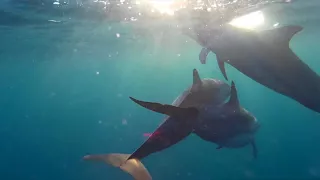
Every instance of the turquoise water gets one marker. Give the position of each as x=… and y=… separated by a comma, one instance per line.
x=65, y=88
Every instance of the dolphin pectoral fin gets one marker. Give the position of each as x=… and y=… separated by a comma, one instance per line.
x=221, y=67
x=169, y=110
x=254, y=149
x=203, y=55
x=234, y=101
x=132, y=166
x=196, y=81
x=219, y=147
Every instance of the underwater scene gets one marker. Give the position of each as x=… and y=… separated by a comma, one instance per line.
x=159, y=89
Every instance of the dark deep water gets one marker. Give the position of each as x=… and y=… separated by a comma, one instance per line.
x=66, y=75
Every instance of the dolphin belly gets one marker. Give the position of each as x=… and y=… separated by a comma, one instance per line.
x=224, y=140
x=216, y=130
x=238, y=141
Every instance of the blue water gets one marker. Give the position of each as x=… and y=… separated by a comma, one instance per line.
x=65, y=87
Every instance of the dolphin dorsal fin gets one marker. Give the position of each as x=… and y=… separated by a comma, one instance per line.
x=196, y=77
x=169, y=110
x=233, y=101
x=196, y=81
x=281, y=35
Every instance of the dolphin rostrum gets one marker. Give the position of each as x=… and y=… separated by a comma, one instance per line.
x=264, y=56
x=178, y=125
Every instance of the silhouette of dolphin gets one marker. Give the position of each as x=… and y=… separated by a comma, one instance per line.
x=264, y=56
x=221, y=124
x=175, y=128
x=228, y=125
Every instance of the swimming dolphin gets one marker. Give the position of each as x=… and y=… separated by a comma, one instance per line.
x=264, y=56
x=228, y=125
x=174, y=129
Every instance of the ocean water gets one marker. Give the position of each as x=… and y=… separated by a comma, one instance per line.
x=66, y=73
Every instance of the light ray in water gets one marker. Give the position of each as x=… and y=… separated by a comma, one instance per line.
x=249, y=21
x=165, y=7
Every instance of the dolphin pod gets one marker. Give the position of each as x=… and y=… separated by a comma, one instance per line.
x=203, y=108
x=201, y=92
x=265, y=57
x=226, y=124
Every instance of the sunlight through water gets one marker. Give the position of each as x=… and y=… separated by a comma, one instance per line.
x=165, y=7
x=249, y=21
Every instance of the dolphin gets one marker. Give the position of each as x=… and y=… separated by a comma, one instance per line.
x=264, y=56
x=229, y=125
x=175, y=128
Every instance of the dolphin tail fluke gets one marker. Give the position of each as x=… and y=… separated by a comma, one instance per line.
x=134, y=167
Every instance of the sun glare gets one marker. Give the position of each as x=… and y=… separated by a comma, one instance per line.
x=166, y=7
x=249, y=21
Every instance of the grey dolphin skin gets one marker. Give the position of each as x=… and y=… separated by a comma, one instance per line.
x=203, y=91
x=229, y=125
x=264, y=56
x=178, y=125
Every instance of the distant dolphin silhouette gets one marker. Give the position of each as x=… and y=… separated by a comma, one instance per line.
x=231, y=126
x=174, y=129
x=264, y=56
